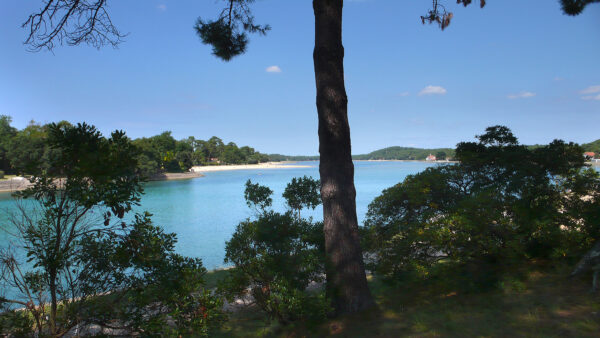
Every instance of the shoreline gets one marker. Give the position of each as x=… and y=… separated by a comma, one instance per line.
x=21, y=183
x=175, y=176
x=266, y=165
x=14, y=184
x=425, y=161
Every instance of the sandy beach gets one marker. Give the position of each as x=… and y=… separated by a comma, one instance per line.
x=19, y=183
x=14, y=184
x=266, y=165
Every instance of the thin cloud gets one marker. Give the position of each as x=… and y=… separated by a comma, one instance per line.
x=590, y=90
x=404, y=94
x=162, y=7
x=591, y=93
x=521, y=95
x=273, y=69
x=433, y=90
x=591, y=97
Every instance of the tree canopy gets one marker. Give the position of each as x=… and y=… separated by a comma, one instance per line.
x=501, y=204
x=95, y=265
x=27, y=151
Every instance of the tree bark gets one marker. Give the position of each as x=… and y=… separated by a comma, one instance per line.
x=346, y=280
x=53, y=300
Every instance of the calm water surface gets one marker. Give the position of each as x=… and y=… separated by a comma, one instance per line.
x=204, y=212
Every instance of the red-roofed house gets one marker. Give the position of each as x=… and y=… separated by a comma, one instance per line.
x=430, y=158
x=589, y=155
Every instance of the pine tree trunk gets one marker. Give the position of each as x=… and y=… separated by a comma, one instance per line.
x=53, y=301
x=346, y=280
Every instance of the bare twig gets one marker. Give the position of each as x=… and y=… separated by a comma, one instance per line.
x=71, y=22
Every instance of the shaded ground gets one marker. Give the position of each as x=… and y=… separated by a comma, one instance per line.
x=542, y=302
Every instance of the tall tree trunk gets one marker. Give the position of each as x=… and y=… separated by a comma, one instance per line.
x=346, y=280
x=53, y=301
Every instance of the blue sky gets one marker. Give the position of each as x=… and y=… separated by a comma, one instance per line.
x=518, y=63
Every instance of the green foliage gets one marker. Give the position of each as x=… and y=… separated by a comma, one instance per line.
x=7, y=133
x=232, y=154
x=276, y=257
x=162, y=153
x=280, y=158
x=593, y=147
x=16, y=324
x=575, y=7
x=96, y=267
x=501, y=204
x=303, y=192
x=165, y=294
x=27, y=150
x=88, y=169
x=258, y=196
x=1, y=174
x=227, y=34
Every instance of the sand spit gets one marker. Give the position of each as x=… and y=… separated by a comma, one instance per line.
x=266, y=165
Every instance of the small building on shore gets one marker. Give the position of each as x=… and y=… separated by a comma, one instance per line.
x=430, y=158
x=589, y=155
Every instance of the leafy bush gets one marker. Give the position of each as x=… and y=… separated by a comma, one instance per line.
x=164, y=292
x=277, y=256
x=501, y=204
x=16, y=324
x=1, y=174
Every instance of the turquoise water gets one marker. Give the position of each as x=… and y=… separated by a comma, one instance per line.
x=204, y=212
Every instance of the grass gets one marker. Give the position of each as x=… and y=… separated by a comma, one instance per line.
x=7, y=177
x=538, y=301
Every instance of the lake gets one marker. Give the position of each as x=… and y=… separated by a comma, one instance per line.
x=204, y=212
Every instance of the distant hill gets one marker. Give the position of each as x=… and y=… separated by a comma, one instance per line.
x=408, y=153
x=404, y=153
x=592, y=146
x=390, y=153
x=279, y=158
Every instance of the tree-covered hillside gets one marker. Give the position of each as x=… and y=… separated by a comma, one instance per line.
x=592, y=146
x=408, y=153
x=24, y=151
x=404, y=153
x=390, y=153
x=279, y=158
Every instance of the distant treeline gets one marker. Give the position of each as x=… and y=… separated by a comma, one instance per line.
x=162, y=153
x=407, y=153
x=23, y=151
x=391, y=153
x=279, y=158
x=592, y=146
x=587, y=147
x=26, y=151
x=404, y=153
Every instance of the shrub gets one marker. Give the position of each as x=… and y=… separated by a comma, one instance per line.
x=503, y=203
x=1, y=174
x=16, y=324
x=276, y=257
